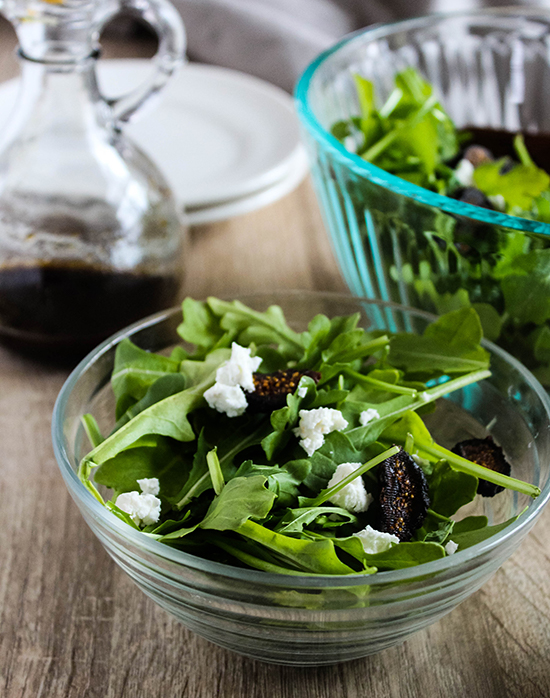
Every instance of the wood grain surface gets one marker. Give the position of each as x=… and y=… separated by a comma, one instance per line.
x=73, y=625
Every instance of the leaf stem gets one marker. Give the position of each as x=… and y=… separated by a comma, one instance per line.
x=388, y=387
x=84, y=472
x=465, y=466
x=522, y=152
x=92, y=430
x=345, y=357
x=450, y=386
x=215, y=470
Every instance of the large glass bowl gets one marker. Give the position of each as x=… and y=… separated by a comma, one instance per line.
x=397, y=241
x=317, y=620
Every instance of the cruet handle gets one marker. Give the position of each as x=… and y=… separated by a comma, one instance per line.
x=162, y=16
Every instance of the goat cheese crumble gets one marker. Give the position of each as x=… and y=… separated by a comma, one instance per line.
x=149, y=485
x=367, y=416
x=314, y=424
x=464, y=173
x=376, y=541
x=239, y=369
x=142, y=507
x=232, y=378
x=226, y=398
x=451, y=547
x=353, y=497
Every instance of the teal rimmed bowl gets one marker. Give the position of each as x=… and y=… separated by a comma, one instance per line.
x=399, y=242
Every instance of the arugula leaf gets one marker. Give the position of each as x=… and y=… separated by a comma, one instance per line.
x=519, y=186
x=279, y=481
x=435, y=528
x=163, y=387
x=308, y=555
x=295, y=519
x=200, y=326
x=450, y=489
x=169, y=417
x=470, y=523
x=161, y=459
x=467, y=535
x=242, y=498
x=136, y=369
x=250, y=326
x=397, y=557
x=254, y=556
x=526, y=288
x=449, y=345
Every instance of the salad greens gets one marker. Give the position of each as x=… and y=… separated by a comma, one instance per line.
x=439, y=261
x=410, y=135
x=413, y=137
x=243, y=489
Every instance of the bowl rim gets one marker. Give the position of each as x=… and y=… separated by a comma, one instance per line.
x=84, y=498
x=377, y=175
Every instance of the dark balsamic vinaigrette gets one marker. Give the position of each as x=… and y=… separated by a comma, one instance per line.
x=63, y=310
x=501, y=144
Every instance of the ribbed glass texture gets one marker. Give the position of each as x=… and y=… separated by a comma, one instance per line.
x=395, y=240
x=313, y=620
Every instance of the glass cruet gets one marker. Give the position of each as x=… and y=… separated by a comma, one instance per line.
x=90, y=237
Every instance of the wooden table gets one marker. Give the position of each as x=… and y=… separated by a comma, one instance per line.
x=72, y=624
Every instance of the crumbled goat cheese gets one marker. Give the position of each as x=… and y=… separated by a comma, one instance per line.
x=422, y=462
x=239, y=369
x=149, y=485
x=464, y=173
x=376, y=541
x=367, y=416
x=144, y=509
x=302, y=391
x=232, y=378
x=353, y=497
x=350, y=144
x=451, y=547
x=314, y=424
x=226, y=398
x=498, y=201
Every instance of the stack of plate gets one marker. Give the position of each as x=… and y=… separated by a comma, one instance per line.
x=227, y=142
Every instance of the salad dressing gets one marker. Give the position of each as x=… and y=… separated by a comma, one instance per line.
x=52, y=308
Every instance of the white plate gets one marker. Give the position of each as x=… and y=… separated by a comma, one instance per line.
x=217, y=134
x=254, y=201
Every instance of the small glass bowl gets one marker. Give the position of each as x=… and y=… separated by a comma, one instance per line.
x=303, y=620
x=397, y=241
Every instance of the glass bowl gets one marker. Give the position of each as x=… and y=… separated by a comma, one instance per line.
x=399, y=242
x=305, y=620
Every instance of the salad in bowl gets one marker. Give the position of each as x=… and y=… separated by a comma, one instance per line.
x=305, y=478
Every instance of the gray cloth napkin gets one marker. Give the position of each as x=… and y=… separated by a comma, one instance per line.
x=276, y=39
